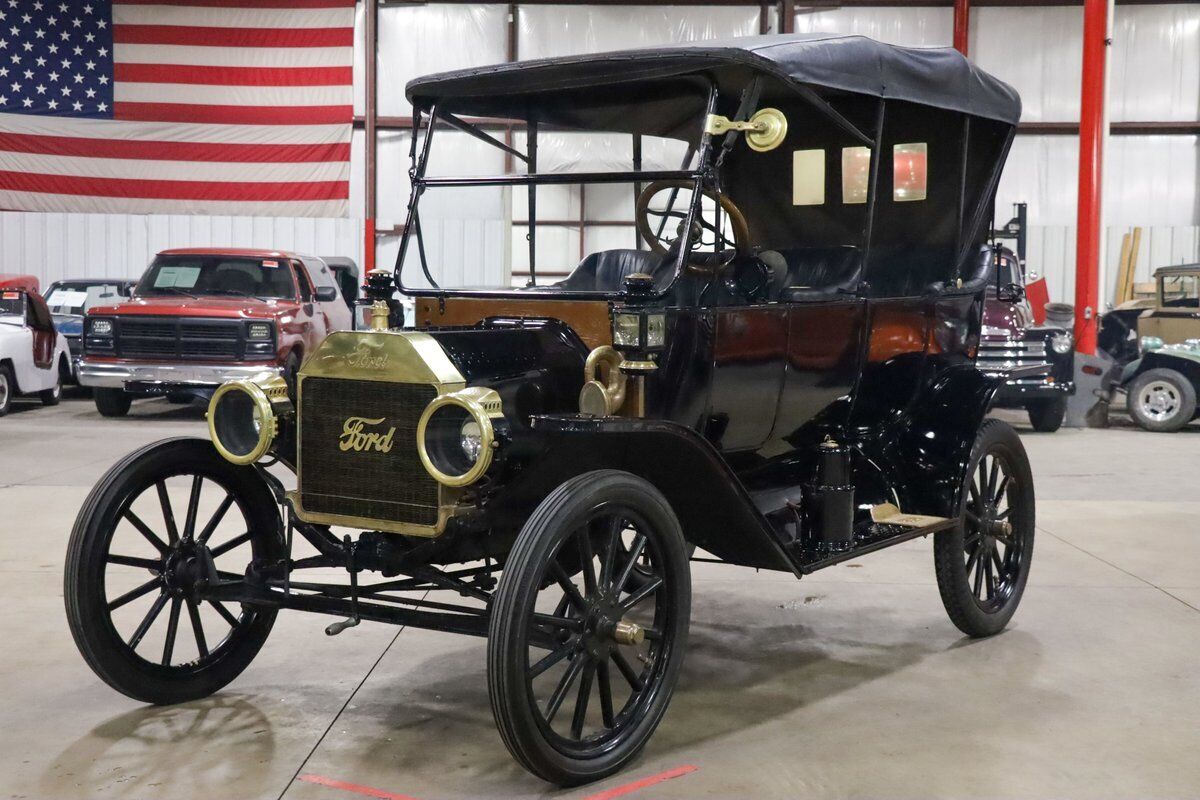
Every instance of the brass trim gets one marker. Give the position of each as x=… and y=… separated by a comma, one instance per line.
x=602, y=397
x=483, y=404
x=266, y=391
x=445, y=512
x=764, y=131
x=628, y=633
x=379, y=315
x=638, y=367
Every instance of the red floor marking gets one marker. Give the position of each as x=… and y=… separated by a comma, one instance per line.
x=369, y=791
x=628, y=788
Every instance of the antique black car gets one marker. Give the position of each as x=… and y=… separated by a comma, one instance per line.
x=779, y=372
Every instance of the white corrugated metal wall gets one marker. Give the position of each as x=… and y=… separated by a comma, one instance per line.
x=1149, y=180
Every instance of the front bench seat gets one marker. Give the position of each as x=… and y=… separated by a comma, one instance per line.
x=606, y=270
x=814, y=273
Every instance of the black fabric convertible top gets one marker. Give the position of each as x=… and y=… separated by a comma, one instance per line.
x=939, y=77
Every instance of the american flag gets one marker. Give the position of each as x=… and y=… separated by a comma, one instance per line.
x=176, y=106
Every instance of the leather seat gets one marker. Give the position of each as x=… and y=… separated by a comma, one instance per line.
x=814, y=273
x=606, y=270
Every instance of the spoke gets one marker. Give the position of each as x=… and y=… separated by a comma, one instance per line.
x=974, y=492
x=978, y=577
x=970, y=540
x=168, y=514
x=604, y=685
x=635, y=553
x=610, y=549
x=224, y=612
x=564, y=604
x=993, y=473
x=635, y=681
x=570, y=623
x=568, y=587
x=998, y=495
x=144, y=530
x=998, y=563
x=133, y=561
x=134, y=594
x=991, y=580
x=197, y=627
x=236, y=541
x=148, y=620
x=550, y=660
x=972, y=518
x=564, y=686
x=586, y=556
x=974, y=557
x=217, y=516
x=641, y=594
x=189, y=522
x=581, y=700
x=652, y=634
x=172, y=627
x=1003, y=514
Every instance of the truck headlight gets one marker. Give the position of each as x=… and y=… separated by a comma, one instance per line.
x=456, y=435
x=1061, y=343
x=101, y=327
x=258, y=331
x=243, y=416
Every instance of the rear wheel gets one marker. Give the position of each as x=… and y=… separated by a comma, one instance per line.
x=982, y=564
x=8, y=388
x=112, y=402
x=1161, y=400
x=157, y=526
x=1046, y=416
x=581, y=664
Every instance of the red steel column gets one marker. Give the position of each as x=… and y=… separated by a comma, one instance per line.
x=962, y=24
x=1091, y=164
x=372, y=45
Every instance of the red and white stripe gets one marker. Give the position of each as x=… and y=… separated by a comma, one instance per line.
x=221, y=107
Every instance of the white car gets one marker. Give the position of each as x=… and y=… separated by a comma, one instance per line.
x=34, y=356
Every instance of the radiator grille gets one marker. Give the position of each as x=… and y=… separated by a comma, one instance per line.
x=390, y=486
x=179, y=338
x=1002, y=356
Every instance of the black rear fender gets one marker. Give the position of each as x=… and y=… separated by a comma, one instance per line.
x=713, y=507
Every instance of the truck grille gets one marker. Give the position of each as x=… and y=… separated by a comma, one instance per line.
x=171, y=339
x=388, y=486
x=1000, y=357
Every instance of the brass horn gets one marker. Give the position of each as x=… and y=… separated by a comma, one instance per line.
x=603, y=389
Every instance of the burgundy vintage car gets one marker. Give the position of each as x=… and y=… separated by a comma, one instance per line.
x=1037, y=360
x=201, y=317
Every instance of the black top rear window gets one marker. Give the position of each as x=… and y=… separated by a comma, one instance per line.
x=219, y=276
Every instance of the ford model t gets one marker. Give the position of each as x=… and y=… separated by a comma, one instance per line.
x=777, y=370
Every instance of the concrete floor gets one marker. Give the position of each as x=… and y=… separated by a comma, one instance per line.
x=851, y=683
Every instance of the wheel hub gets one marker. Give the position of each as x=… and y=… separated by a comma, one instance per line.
x=183, y=568
x=1159, y=401
x=604, y=628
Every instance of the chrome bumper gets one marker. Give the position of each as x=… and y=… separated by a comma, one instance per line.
x=106, y=375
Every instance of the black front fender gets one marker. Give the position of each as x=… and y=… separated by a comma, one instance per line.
x=713, y=507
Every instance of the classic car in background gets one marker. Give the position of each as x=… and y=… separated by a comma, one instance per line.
x=1036, y=361
x=1171, y=315
x=780, y=384
x=34, y=358
x=1162, y=380
x=69, y=301
x=201, y=317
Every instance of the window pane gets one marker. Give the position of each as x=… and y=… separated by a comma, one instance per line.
x=808, y=177
x=909, y=171
x=856, y=172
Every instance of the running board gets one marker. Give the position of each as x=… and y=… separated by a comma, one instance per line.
x=888, y=514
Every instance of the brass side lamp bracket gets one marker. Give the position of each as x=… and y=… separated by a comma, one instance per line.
x=765, y=130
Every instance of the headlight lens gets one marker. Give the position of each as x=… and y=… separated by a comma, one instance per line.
x=259, y=331
x=1061, y=343
x=456, y=436
x=243, y=417
x=1149, y=343
x=627, y=330
x=101, y=327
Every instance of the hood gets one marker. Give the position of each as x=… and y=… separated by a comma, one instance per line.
x=1005, y=320
x=180, y=306
x=68, y=324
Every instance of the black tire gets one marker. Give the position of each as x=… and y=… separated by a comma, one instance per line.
x=981, y=584
x=583, y=520
x=8, y=388
x=1161, y=400
x=112, y=402
x=1046, y=416
x=113, y=657
x=52, y=396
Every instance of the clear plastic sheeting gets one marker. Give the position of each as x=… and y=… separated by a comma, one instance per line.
x=545, y=31
x=908, y=27
x=1155, y=70
x=421, y=39
x=1037, y=51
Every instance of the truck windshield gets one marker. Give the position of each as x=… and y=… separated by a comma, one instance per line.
x=76, y=298
x=217, y=276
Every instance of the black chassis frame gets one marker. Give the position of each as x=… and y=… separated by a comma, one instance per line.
x=909, y=423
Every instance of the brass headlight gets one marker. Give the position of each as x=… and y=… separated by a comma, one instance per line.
x=243, y=417
x=456, y=435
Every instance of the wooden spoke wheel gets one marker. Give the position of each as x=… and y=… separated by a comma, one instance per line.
x=588, y=627
x=156, y=528
x=983, y=564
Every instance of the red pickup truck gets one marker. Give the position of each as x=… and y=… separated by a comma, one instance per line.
x=200, y=317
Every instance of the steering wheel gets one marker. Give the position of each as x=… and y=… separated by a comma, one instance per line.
x=659, y=235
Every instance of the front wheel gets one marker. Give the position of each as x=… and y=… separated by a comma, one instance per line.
x=8, y=388
x=158, y=525
x=1046, y=416
x=112, y=402
x=1161, y=400
x=581, y=664
x=52, y=396
x=982, y=563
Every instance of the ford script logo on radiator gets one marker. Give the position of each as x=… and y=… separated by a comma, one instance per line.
x=355, y=438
